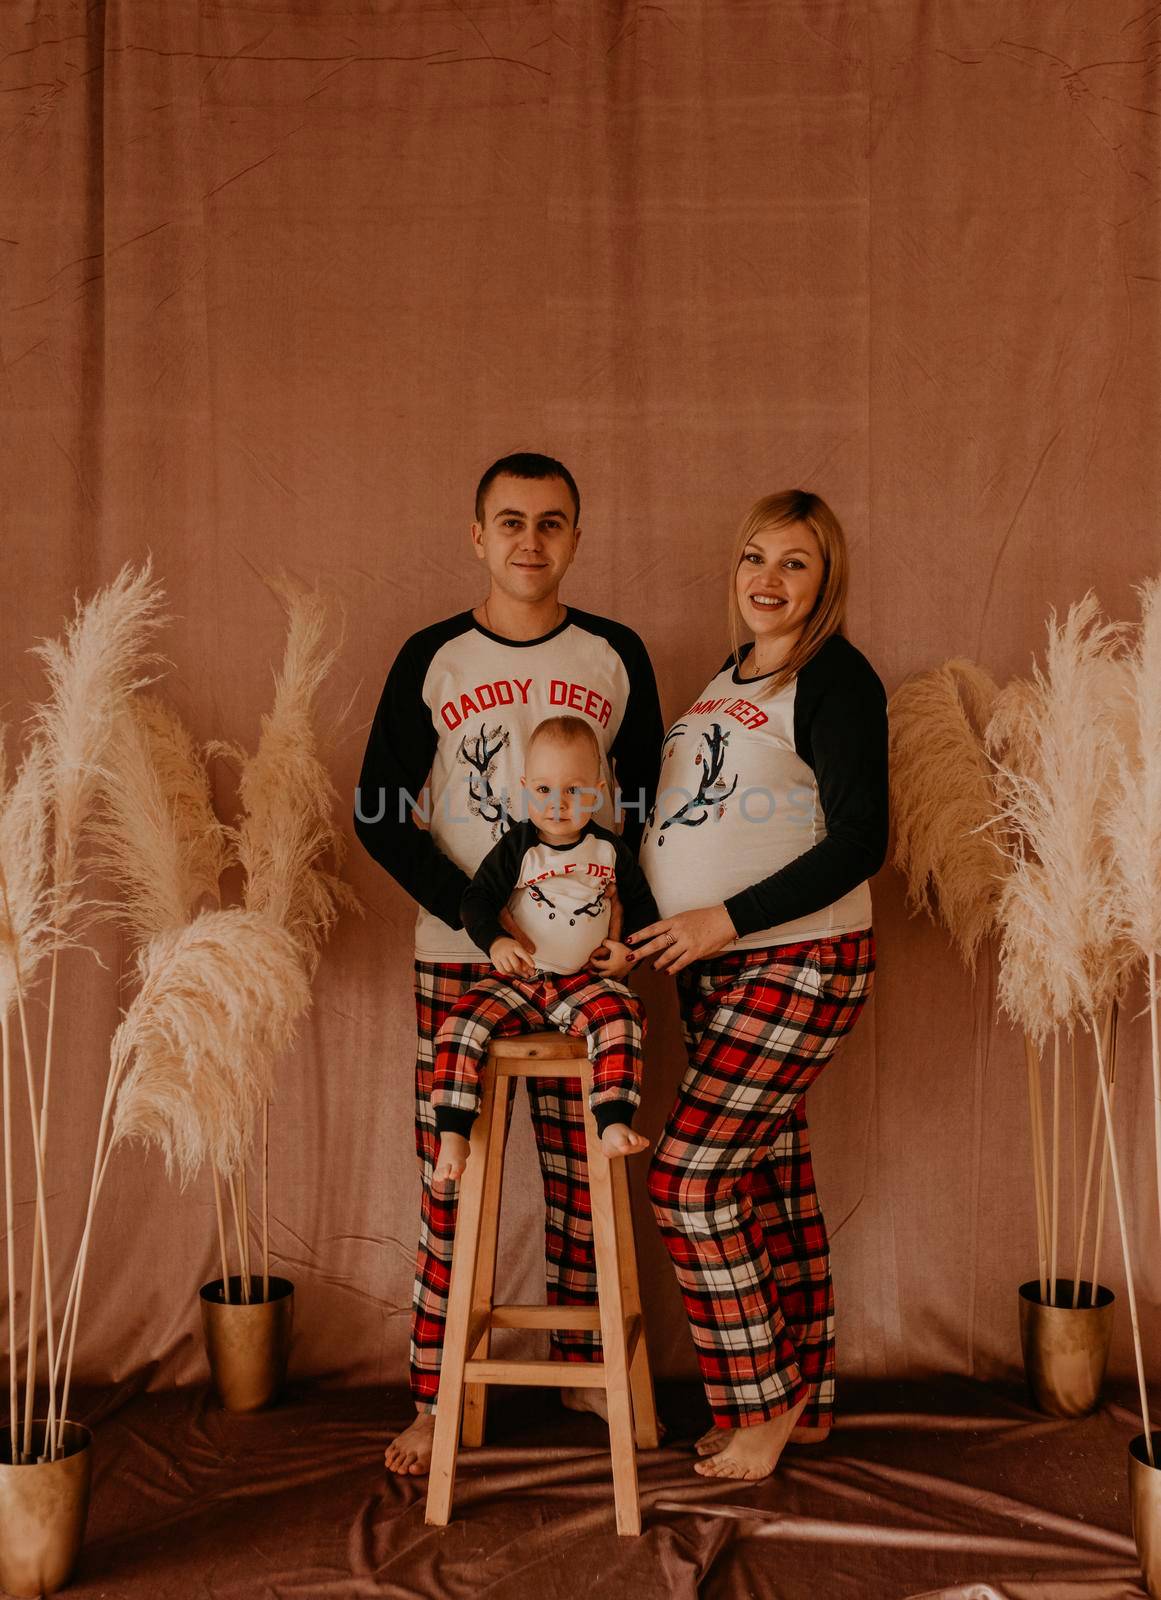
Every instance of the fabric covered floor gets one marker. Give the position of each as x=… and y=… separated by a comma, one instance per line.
x=947, y=1488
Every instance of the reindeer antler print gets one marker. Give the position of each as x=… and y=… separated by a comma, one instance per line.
x=591, y=908
x=667, y=750
x=712, y=792
x=480, y=754
x=539, y=898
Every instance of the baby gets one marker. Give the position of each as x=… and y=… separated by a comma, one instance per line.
x=563, y=879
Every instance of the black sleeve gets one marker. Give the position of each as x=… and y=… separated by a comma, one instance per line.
x=636, y=751
x=638, y=907
x=487, y=894
x=841, y=731
x=396, y=765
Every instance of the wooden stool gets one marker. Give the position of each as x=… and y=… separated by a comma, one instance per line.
x=467, y=1369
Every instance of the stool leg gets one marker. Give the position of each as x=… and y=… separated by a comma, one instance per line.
x=640, y=1377
x=621, y=1442
x=441, y=1483
x=476, y=1394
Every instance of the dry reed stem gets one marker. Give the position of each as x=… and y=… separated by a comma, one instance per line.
x=1124, y=1230
x=244, y=1208
x=1074, y=1188
x=10, y=1237
x=1110, y=1040
x=221, y=1235
x=1090, y=1166
x=77, y=1280
x=1055, y=1157
x=1156, y=1051
x=1034, y=1124
x=266, y=1200
x=41, y=1209
x=243, y=1276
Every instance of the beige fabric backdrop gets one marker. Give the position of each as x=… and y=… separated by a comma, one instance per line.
x=280, y=280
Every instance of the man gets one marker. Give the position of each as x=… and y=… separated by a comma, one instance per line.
x=459, y=704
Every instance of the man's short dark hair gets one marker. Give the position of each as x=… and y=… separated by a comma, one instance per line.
x=527, y=464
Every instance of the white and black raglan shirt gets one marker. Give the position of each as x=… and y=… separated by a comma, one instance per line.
x=775, y=801
x=558, y=894
x=459, y=704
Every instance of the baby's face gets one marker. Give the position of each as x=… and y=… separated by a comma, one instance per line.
x=563, y=787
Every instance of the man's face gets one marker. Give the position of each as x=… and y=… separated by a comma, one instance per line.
x=527, y=539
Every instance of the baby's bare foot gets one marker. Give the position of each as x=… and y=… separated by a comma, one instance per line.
x=409, y=1454
x=454, y=1151
x=619, y=1139
x=752, y=1453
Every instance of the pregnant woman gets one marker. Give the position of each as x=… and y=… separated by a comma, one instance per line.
x=770, y=817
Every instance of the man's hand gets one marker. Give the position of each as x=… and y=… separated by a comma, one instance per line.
x=613, y=959
x=511, y=957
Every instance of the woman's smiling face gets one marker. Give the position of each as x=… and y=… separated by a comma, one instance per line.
x=777, y=584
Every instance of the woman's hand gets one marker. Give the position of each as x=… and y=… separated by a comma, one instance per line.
x=612, y=959
x=689, y=936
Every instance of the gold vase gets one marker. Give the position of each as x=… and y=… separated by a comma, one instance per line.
x=1145, y=1500
x=248, y=1345
x=1065, y=1351
x=43, y=1506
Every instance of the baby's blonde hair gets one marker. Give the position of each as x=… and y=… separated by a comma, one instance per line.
x=565, y=731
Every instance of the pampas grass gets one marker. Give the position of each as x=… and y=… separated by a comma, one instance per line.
x=286, y=838
x=103, y=657
x=192, y=1059
x=112, y=781
x=1135, y=823
x=946, y=845
x=25, y=932
x=1062, y=958
x=155, y=830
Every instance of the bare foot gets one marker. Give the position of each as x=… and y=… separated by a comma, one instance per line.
x=409, y=1454
x=594, y=1400
x=619, y=1139
x=454, y=1151
x=716, y=1439
x=752, y=1453
x=804, y=1435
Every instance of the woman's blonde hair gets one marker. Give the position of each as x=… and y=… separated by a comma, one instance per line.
x=779, y=511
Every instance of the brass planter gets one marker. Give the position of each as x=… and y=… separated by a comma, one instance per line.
x=1065, y=1351
x=248, y=1345
x=1145, y=1499
x=43, y=1507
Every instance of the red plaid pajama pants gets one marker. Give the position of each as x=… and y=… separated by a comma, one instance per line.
x=558, y=1122
x=602, y=1010
x=732, y=1183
